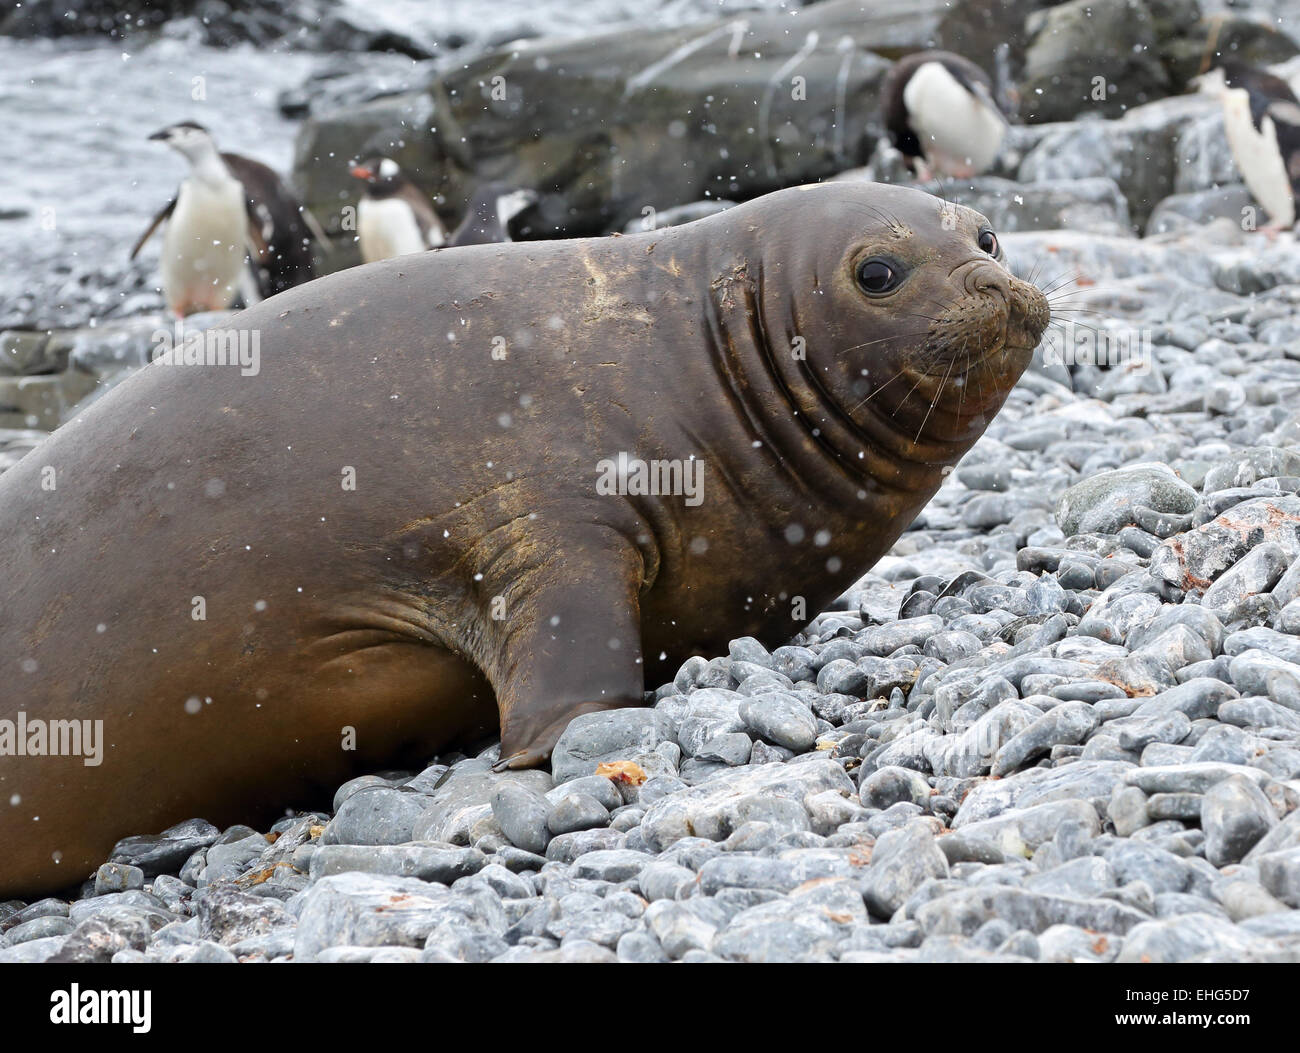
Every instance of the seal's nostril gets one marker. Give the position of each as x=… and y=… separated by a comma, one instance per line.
x=987, y=278
x=993, y=283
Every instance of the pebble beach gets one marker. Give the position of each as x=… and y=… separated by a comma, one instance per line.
x=1058, y=722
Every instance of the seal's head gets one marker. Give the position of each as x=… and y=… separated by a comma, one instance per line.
x=915, y=329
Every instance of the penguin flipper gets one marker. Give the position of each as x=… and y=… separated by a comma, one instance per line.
x=1286, y=124
x=432, y=231
x=153, y=226
x=317, y=231
x=250, y=286
x=257, y=232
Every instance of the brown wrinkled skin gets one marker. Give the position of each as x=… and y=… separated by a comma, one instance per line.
x=475, y=478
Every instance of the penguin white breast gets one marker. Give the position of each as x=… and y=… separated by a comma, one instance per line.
x=960, y=133
x=387, y=227
x=1258, y=158
x=204, y=248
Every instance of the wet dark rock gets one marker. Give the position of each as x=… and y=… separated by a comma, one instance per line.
x=167, y=851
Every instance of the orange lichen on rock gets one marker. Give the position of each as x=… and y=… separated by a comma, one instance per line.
x=622, y=771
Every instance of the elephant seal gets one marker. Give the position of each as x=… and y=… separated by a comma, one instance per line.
x=438, y=499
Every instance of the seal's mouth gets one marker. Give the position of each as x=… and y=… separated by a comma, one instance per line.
x=1028, y=317
x=996, y=328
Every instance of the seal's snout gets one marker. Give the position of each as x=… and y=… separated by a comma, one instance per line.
x=1022, y=308
x=1029, y=314
x=992, y=324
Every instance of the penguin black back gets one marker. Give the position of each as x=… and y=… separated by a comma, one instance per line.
x=487, y=219
x=288, y=259
x=1264, y=88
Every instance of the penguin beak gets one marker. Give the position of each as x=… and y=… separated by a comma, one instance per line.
x=361, y=172
x=164, y=134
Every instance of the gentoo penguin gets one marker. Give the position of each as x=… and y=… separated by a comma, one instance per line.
x=1261, y=119
x=229, y=213
x=394, y=216
x=939, y=111
x=490, y=212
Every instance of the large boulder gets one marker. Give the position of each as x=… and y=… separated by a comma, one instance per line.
x=42, y=401
x=1139, y=151
x=607, y=126
x=1104, y=57
x=45, y=376
x=1191, y=211
x=319, y=25
x=1097, y=56
x=1094, y=204
x=1107, y=502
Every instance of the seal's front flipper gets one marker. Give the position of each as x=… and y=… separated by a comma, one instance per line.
x=541, y=742
x=569, y=643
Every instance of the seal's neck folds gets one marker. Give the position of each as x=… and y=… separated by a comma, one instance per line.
x=834, y=429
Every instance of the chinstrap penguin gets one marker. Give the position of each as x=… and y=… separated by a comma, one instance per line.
x=287, y=228
x=230, y=213
x=940, y=114
x=1261, y=120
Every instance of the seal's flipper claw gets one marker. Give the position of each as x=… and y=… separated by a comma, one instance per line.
x=529, y=758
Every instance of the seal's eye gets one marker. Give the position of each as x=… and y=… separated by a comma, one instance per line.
x=877, y=276
x=988, y=242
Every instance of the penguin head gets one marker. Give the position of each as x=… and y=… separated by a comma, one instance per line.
x=1234, y=73
x=380, y=174
x=1260, y=84
x=189, y=139
x=510, y=204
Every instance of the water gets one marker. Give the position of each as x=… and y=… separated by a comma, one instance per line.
x=81, y=180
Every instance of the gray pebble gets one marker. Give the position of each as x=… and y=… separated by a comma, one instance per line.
x=523, y=816
x=1235, y=815
x=901, y=862
x=118, y=877
x=575, y=811
x=376, y=815
x=1068, y=723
